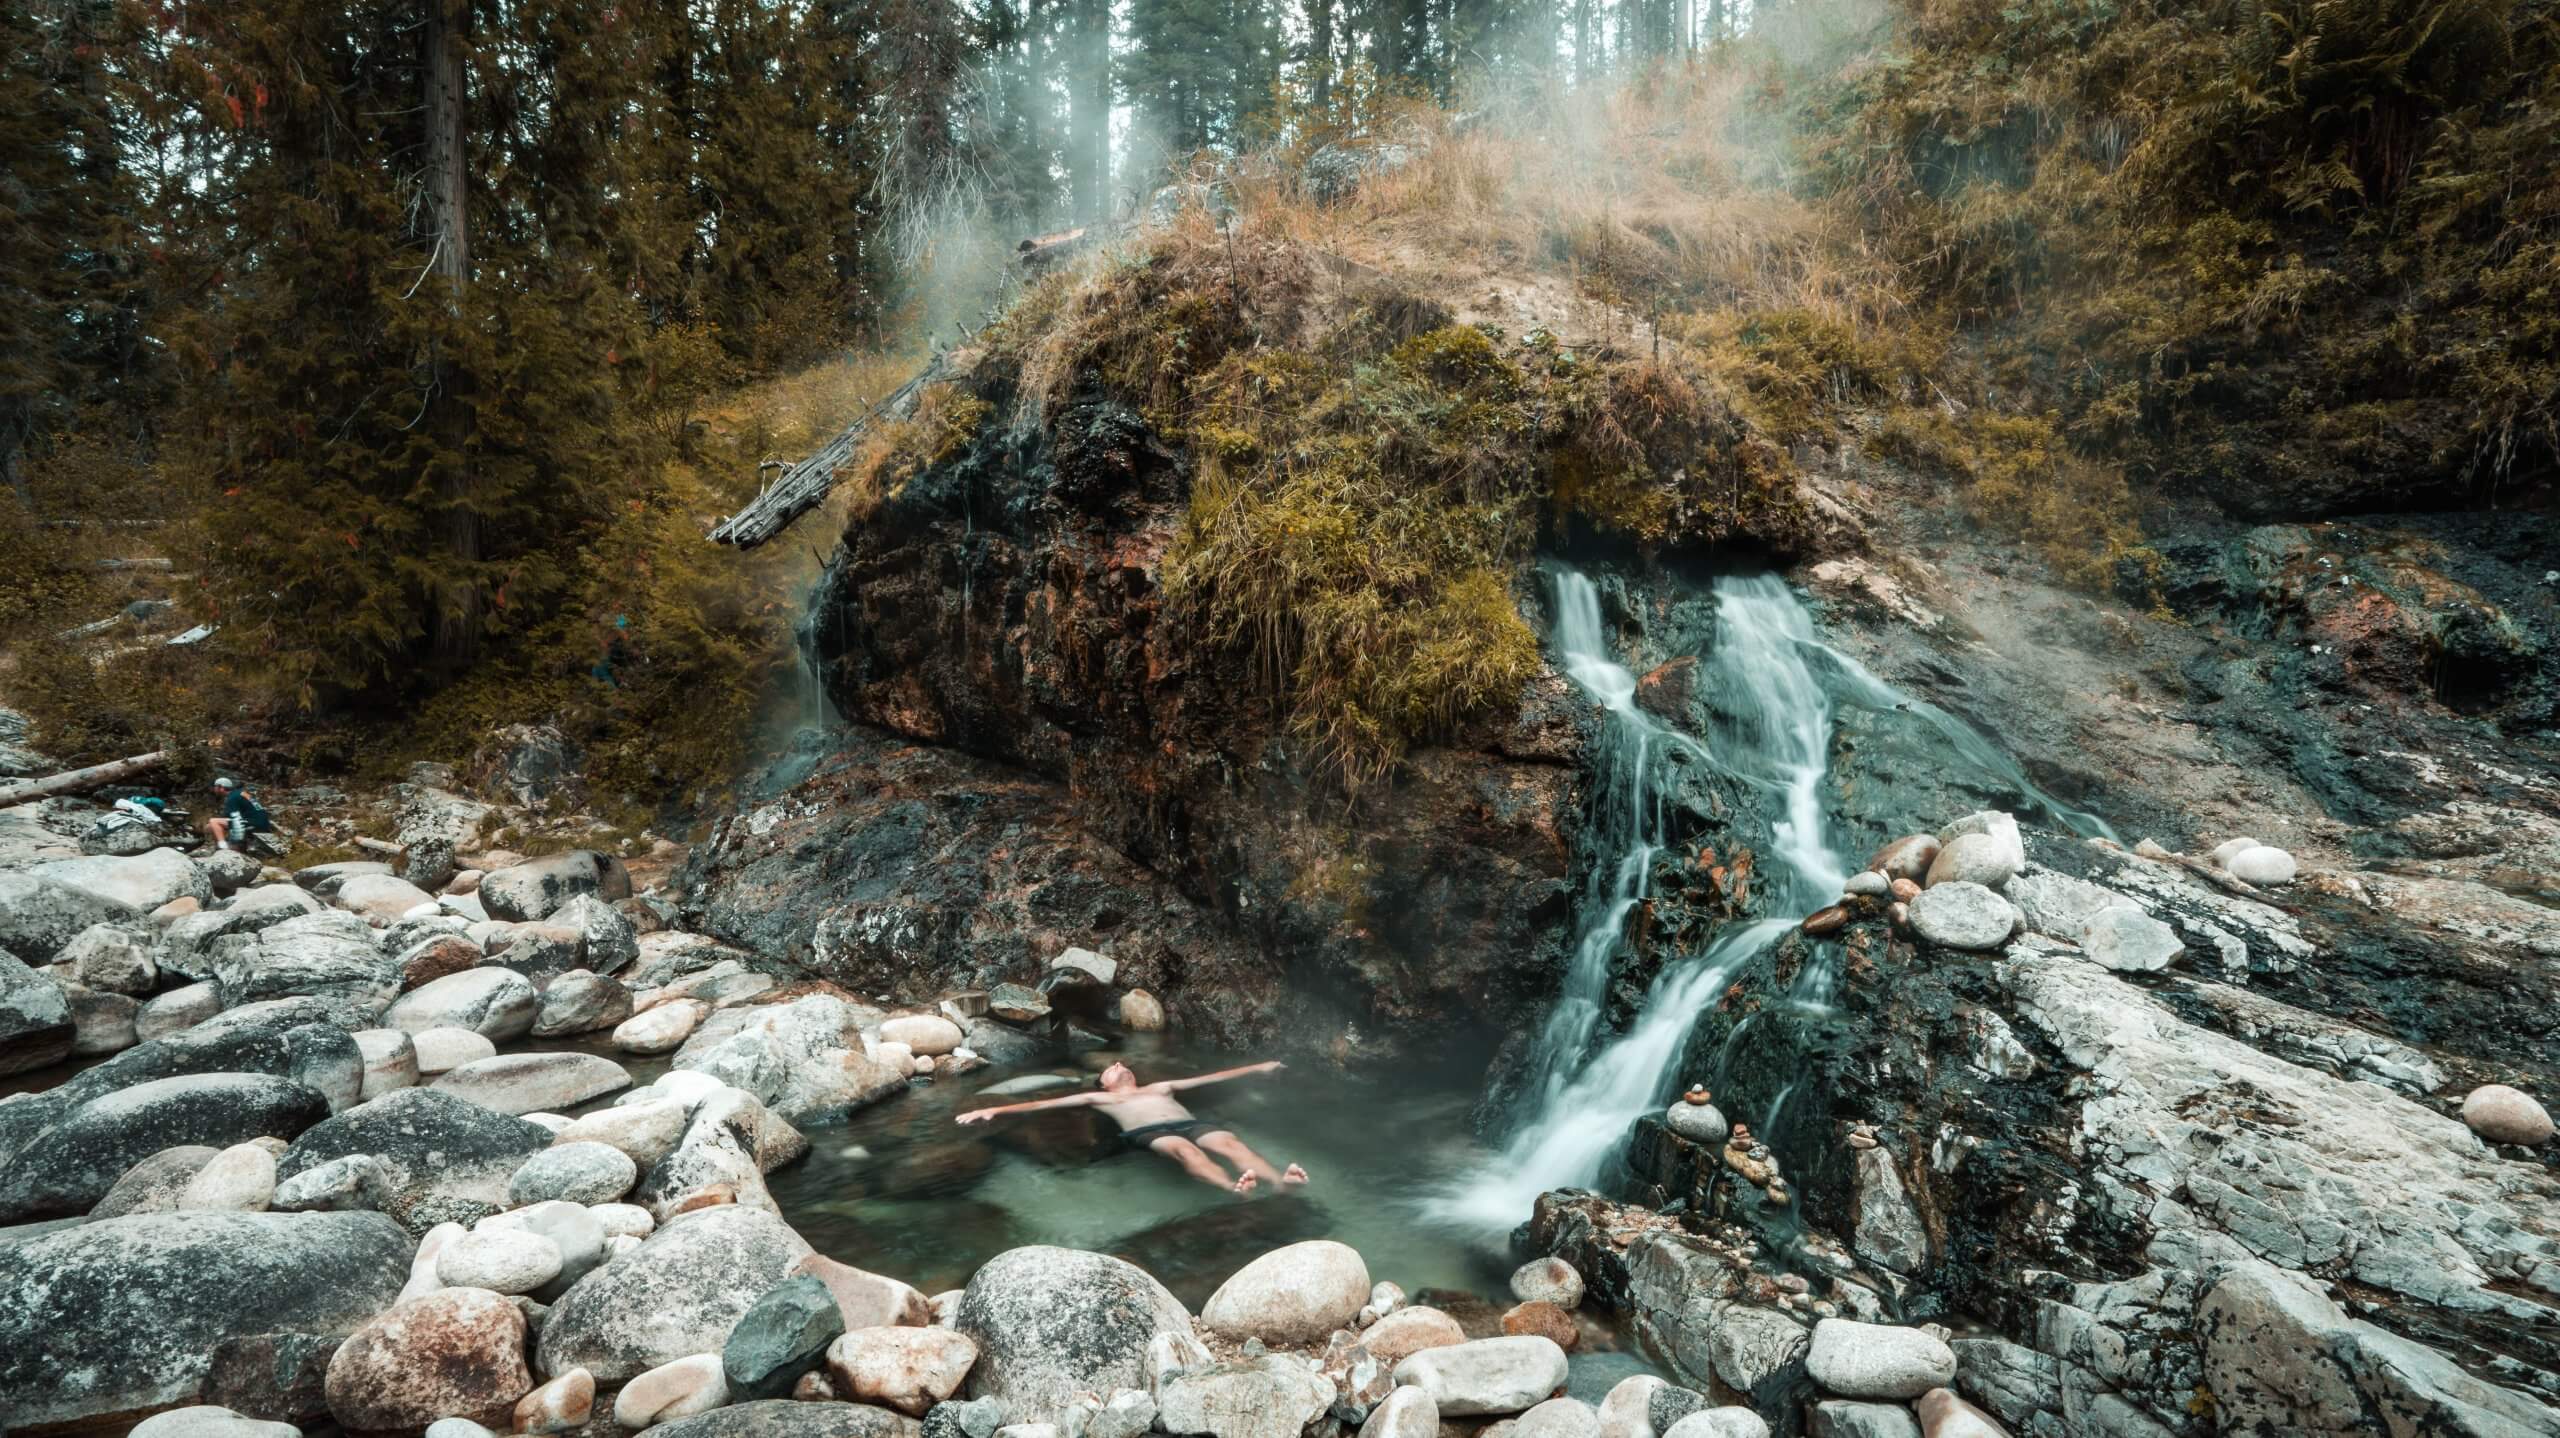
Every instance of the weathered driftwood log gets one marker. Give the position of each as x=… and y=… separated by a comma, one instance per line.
x=26, y=791
x=384, y=847
x=803, y=487
x=1041, y=251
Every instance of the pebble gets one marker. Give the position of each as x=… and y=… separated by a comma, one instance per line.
x=1141, y=1012
x=1867, y=884
x=1407, y=1331
x=1903, y=891
x=390, y=1060
x=1548, y=1280
x=1826, y=921
x=670, y=1391
x=2495, y=1112
x=2264, y=864
x=502, y=1260
x=1558, y=1418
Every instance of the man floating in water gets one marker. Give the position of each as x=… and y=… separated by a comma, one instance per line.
x=1151, y=1118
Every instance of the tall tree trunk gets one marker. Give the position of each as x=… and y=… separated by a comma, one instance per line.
x=1320, y=51
x=1585, y=63
x=1687, y=23
x=1089, y=110
x=446, y=214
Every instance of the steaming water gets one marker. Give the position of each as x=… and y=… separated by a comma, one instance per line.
x=1776, y=686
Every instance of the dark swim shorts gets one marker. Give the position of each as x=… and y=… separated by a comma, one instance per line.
x=1144, y=1137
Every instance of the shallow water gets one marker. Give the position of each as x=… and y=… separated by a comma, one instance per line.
x=904, y=1189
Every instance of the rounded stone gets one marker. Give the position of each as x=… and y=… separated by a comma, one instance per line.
x=209, y=1421
x=1051, y=1323
x=2505, y=1115
x=2264, y=864
x=1552, y=1280
x=1731, y=1421
x=1408, y=1331
x=2223, y=852
x=1908, y=857
x=908, y=1369
x=498, y=1004
x=564, y=1403
x=1558, y=1418
x=673, y=1390
x=502, y=1260
x=680, y=1292
x=1963, y=915
x=925, y=1035
x=1487, y=1376
x=782, y=1337
x=623, y=1220
x=1972, y=859
x=1877, y=1360
x=390, y=1060
x=1141, y=1012
x=1291, y=1295
x=241, y=1178
x=1544, y=1320
x=440, y=1051
x=1697, y=1122
x=579, y=1172
x=453, y=1353
x=661, y=1029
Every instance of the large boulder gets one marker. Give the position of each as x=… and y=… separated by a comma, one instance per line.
x=1051, y=1323
x=534, y=1083
x=536, y=888
x=580, y=1001
x=380, y=899
x=429, y=1143
x=190, y=943
x=453, y=1353
x=1487, y=1375
x=38, y=916
x=293, y=1038
x=70, y=1166
x=721, y=1148
x=679, y=1293
x=322, y=956
x=606, y=941
x=35, y=1019
x=113, y=957
x=498, y=1004
x=326, y=879
x=140, y=882
x=112, y=1319
x=1291, y=1295
x=176, y=1011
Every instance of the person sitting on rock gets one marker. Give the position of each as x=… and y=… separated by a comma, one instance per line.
x=1150, y=1118
x=242, y=818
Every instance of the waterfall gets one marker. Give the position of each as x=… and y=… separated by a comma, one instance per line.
x=1583, y=1096
x=1776, y=688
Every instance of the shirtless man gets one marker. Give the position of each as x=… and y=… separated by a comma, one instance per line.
x=1151, y=1118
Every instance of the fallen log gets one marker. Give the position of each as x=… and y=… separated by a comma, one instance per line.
x=1041, y=251
x=73, y=781
x=384, y=847
x=803, y=486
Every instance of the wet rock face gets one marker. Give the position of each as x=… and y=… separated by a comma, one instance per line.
x=1128, y=782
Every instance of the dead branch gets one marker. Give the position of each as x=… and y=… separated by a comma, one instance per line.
x=74, y=781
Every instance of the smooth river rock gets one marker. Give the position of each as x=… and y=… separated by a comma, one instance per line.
x=536, y=888
x=70, y=1166
x=1487, y=1375
x=429, y=1143
x=454, y=1353
x=113, y=1318
x=1963, y=915
x=1408, y=1331
x=678, y=1293
x=36, y=1030
x=2505, y=1115
x=1974, y=859
x=908, y=1369
x=783, y=1336
x=1877, y=1360
x=530, y=1083
x=497, y=1004
x=579, y=1171
x=1051, y=1323
x=1291, y=1295
x=1274, y=1396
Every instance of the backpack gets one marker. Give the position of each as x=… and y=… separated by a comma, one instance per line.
x=253, y=815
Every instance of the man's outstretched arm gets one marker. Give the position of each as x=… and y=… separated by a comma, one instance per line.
x=1073, y=1100
x=1222, y=1075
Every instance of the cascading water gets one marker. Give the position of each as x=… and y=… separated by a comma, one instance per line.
x=1776, y=685
x=1582, y=1098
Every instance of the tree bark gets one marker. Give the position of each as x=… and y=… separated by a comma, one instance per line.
x=1320, y=52
x=72, y=781
x=446, y=211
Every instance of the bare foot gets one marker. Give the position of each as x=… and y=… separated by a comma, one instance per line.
x=1245, y=1183
x=1293, y=1176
